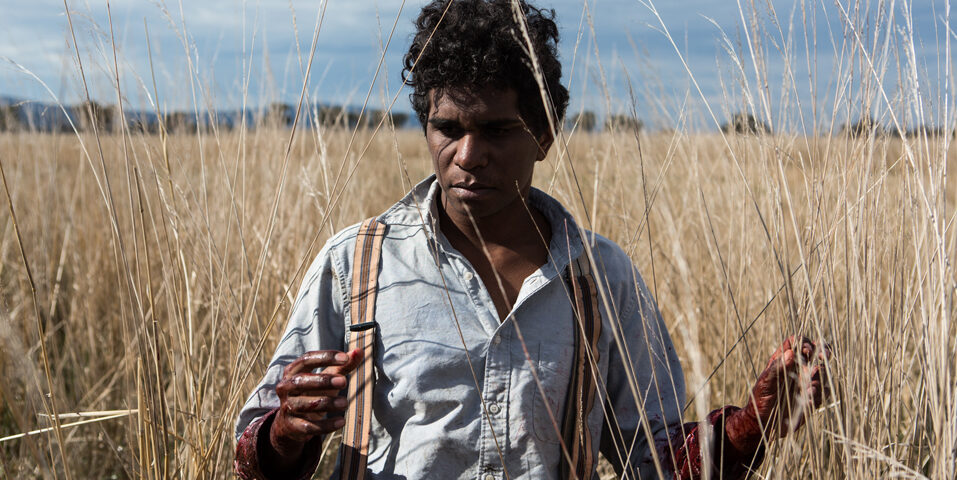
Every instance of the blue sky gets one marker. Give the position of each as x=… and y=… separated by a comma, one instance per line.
x=246, y=52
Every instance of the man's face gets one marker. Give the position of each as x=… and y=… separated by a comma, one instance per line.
x=482, y=152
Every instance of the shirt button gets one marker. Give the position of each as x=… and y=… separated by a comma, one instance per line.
x=493, y=409
x=497, y=339
x=468, y=276
x=488, y=476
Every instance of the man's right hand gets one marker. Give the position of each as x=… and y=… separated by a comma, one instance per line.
x=305, y=399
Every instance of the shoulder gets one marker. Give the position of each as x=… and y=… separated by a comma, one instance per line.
x=338, y=253
x=610, y=260
x=404, y=219
x=615, y=269
x=343, y=239
x=612, y=265
x=333, y=258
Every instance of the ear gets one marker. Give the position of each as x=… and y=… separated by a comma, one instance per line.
x=544, y=144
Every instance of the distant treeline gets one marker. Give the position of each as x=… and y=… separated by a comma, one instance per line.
x=587, y=121
x=747, y=124
x=33, y=116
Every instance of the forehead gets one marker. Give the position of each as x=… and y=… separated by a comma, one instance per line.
x=481, y=103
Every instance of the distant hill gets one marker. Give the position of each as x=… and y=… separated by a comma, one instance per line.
x=19, y=114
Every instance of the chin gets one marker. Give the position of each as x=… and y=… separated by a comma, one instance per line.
x=477, y=209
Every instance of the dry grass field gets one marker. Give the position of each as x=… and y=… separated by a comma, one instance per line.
x=145, y=279
x=159, y=272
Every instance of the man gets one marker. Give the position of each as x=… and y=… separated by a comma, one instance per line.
x=477, y=329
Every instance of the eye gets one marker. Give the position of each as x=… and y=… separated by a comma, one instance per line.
x=449, y=131
x=498, y=131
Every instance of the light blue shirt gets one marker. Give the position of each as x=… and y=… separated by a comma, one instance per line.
x=433, y=308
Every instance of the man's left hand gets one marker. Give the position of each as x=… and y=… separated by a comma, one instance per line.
x=794, y=381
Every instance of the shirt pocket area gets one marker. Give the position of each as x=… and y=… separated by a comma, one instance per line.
x=554, y=369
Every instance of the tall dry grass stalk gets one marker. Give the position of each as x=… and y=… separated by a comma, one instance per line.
x=162, y=267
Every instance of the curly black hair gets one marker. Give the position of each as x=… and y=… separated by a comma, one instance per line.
x=478, y=44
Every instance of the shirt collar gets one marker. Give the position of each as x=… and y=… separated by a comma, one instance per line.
x=420, y=208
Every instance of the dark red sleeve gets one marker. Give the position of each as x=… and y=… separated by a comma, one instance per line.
x=727, y=462
x=247, y=465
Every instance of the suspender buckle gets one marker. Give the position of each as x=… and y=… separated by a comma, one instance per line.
x=358, y=327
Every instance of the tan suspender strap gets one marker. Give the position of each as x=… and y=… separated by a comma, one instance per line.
x=582, y=387
x=354, y=451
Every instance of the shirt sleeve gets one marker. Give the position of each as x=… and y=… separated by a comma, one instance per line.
x=316, y=323
x=644, y=435
x=644, y=387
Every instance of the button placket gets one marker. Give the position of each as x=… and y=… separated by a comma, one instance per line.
x=496, y=388
x=481, y=300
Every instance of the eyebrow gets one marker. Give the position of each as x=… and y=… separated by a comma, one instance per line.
x=440, y=122
x=443, y=122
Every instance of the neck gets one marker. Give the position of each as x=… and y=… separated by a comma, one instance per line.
x=519, y=224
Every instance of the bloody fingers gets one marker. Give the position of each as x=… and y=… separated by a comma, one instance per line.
x=306, y=399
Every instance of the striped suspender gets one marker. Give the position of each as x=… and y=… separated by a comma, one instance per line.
x=580, y=397
x=354, y=451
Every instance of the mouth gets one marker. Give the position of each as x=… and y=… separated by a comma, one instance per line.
x=471, y=190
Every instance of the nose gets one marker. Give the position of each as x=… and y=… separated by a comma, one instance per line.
x=470, y=152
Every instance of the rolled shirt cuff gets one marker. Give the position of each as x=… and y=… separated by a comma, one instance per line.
x=727, y=462
x=248, y=465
